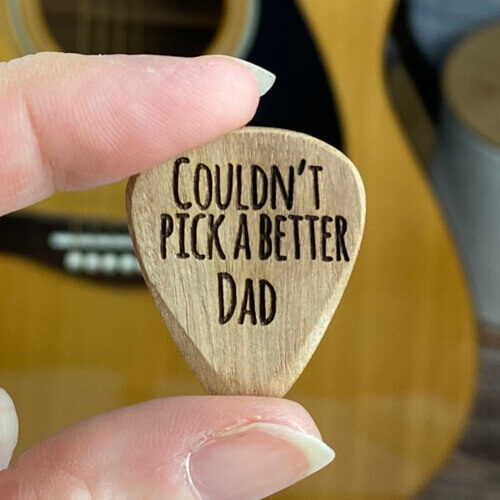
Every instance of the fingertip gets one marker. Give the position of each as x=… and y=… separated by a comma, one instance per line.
x=8, y=428
x=303, y=419
x=264, y=78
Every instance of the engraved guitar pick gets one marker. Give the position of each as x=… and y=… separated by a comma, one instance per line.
x=247, y=244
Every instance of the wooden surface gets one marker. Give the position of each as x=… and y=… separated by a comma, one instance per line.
x=471, y=83
x=246, y=304
x=390, y=384
x=474, y=469
x=414, y=117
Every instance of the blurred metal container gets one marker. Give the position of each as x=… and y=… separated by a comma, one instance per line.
x=437, y=25
x=466, y=168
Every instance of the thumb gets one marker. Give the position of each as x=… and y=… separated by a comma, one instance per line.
x=8, y=429
x=205, y=447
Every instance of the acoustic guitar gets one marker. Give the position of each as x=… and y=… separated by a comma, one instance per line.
x=391, y=384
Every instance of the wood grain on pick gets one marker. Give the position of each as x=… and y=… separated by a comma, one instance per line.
x=248, y=303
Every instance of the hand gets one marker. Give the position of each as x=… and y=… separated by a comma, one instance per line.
x=73, y=122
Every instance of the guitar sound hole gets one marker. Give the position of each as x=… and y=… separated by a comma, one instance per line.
x=174, y=27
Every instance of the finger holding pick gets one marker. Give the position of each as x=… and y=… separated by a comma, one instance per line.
x=8, y=429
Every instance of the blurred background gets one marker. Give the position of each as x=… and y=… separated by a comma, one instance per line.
x=406, y=382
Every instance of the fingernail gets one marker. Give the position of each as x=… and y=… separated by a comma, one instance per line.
x=255, y=461
x=8, y=429
x=265, y=79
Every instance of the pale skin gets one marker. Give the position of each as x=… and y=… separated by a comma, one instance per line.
x=75, y=122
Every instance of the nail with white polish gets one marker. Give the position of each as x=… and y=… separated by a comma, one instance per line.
x=255, y=461
x=8, y=429
x=265, y=78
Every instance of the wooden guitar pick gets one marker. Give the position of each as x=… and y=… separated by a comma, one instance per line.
x=247, y=244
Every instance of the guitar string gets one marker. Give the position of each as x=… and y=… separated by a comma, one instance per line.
x=121, y=14
x=83, y=21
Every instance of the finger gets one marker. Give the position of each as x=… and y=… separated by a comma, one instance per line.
x=74, y=122
x=190, y=447
x=8, y=429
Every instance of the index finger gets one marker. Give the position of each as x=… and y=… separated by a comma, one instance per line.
x=72, y=122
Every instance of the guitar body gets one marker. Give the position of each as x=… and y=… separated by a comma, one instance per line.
x=390, y=385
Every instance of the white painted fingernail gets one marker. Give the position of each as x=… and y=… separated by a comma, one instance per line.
x=8, y=429
x=265, y=79
x=255, y=461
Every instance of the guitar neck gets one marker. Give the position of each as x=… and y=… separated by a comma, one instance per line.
x=90, y=249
